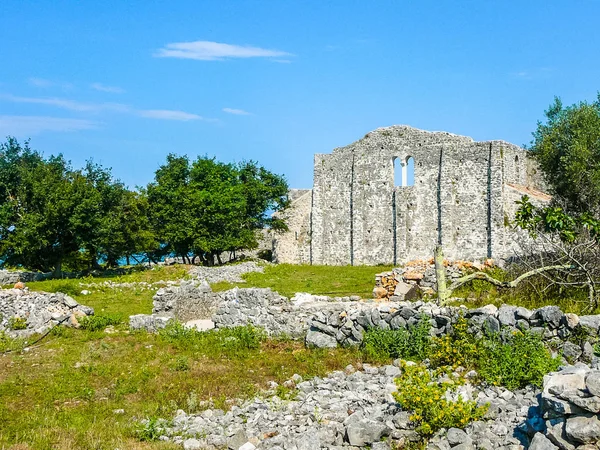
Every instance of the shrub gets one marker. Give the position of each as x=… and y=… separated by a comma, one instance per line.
x=511, y=360
x=422, y=392
x=181, y=364
x=521, y=360
x=99, y=322
x=414, y=343
x=458, y=349
x=17, y=323
x=8, y=344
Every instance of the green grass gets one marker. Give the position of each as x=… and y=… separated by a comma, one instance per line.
x=335, y=281
x=109, y=301
x=531, y=294
x=63, y=394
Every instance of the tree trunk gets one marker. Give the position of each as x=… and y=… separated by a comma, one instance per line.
x=440, y=275
x=127, y=259
x=219, y=258
x=57, y=270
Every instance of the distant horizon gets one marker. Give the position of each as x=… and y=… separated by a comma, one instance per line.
x=126, y=84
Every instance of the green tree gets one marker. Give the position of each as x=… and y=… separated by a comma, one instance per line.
x=37, y=203
x=207, y=207
x=567, y=148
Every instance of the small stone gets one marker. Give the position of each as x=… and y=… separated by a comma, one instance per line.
x=541, y=442
x=592, y=382
x=192, y=444
x=571, y=351
x=247, y=446
x=456, y=436
x=70, y=302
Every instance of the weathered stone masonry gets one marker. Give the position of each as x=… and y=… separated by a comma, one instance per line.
x=462, y=197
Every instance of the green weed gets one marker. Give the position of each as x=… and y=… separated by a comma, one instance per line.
x=425, y=395
x=412, y=344
x=100, y=322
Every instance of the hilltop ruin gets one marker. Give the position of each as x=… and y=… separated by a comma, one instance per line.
x=463, y=197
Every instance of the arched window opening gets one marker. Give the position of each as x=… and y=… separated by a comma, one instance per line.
x=404, y=172
x=397, y=171
x=410, y=171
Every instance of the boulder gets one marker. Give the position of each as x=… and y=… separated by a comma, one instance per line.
x=380, y=292
x=318, y=339
x=592, y=382
x=541, y=442
x=406, y=291
x=583, y=429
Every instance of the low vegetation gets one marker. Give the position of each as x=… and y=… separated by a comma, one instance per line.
x=431, y=401
x=334, y=281
x=511, y=360
x=68, y=392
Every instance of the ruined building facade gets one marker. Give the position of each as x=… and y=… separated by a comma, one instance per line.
x=463, y=197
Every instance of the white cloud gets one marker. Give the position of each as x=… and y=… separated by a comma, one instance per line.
x=211, y=51
x=29, y=125
x=44, y=83
x=237, y=112
x=167, y=114
x=103, y=88
x=72, y=105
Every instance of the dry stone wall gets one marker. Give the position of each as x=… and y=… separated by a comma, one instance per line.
x=23, y=313
x=10, y=277
x=358, y=216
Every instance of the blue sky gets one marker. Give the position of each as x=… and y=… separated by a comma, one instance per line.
x=126, y=82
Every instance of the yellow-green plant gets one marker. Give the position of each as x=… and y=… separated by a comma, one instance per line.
x=422, y=392
x=459, y=349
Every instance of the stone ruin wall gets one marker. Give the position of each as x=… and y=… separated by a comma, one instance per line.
x=294, y=246
x=463, y=195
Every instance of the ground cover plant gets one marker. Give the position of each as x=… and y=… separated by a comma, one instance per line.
x=63, y=394
x=107, y=300
x=512, y=360
x=420, y=391
x=335, y=281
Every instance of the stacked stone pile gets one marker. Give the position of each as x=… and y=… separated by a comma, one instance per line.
x=328, y=322
x=348, y=323
x=352, y=410
x=570, y=404
x=9, y=277
x=400, y=282
x=40, y=311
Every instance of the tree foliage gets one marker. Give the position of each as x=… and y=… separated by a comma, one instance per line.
x=52, y=214
x=567, y=148
x=567, y=231
x=205, y=207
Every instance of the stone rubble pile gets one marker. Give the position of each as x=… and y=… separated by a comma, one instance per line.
x=406, y=282
x=40, y=311
x=352, y=410
x=10, y=277
x=231, y=273
x=347, y=323
x=570, y=405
